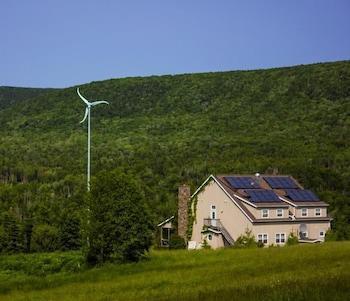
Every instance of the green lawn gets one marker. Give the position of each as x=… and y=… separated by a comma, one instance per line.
x=304, y=272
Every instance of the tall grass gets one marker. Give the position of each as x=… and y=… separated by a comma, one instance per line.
x=304, y=272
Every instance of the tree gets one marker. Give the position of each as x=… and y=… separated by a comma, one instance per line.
x=3, y=239
x=45, y=238
x=11, y=238
x=69, y=232
x=120, y=227
x=27, y=230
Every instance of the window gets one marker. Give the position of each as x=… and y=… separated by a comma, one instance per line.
x=318, y=211
x=210, y=237
x=321, y=233
x=280, y=238
x=279, y=212
x=303, y=211
x=213, y=212
x=265, y=213
x=303, y=234
x=262, y=238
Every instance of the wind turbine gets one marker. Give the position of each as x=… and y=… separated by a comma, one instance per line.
x=89, y=105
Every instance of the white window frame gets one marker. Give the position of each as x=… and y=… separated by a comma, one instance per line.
x=306, y=234
x=262, y=238
x=302, y=212
x=262, y=213
x=213, y=210
x=210, y=237
x=318, y=211
x=279, y=210
x=280, y=238
x=324, y=234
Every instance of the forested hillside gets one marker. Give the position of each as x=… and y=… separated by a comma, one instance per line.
x=11, y=95
x=166, y=130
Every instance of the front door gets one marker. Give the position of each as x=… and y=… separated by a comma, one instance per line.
x=213, y=215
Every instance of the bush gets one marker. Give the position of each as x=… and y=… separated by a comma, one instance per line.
x=120, y=226
x=292, y=240
x=176, y=242
x=205, y=245
x=246, y=240
x=331, y=235
x=42, y=264
x=45, y=238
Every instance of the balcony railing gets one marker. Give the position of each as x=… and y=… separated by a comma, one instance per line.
x=209, y=222
x=217, y=225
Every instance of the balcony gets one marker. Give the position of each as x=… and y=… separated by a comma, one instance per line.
x=213, y=223
x=217, y=225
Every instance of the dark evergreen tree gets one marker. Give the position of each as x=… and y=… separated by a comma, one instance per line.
x=12, y=237
x=27, y=234
x=69, y=232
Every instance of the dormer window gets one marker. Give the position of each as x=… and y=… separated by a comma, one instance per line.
x=304, y=212
x=318, y=212
x=265, y=213
x=279, y=212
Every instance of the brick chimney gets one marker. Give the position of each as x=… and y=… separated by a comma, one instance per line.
x=182, y=213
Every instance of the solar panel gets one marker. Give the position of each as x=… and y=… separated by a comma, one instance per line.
x=281, y=182
x=262, y=196
x=242, y=182
x=301, y=195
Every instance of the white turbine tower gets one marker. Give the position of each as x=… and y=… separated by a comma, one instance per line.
x=87, y=114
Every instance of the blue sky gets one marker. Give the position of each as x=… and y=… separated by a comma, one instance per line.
x=63, y=43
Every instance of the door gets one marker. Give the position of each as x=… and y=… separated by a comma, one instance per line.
x=213, y=215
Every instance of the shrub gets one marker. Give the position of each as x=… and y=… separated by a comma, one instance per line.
x=246, y=240
x=292, y=240
x=44, y=238
x=205, y=245
x=331, y=235
x=176, y=242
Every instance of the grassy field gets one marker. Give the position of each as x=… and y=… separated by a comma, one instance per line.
x=304, y=272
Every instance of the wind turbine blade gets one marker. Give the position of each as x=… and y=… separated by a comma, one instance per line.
x=86, y=114
x=82, y=97
x=99, y=102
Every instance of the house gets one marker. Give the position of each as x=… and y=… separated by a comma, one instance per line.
x=271, y=206
x=165, y=227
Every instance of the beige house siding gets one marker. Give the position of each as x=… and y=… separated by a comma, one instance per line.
x=257, y=212
x=271, y=230
x=216, y=240
x=311, y=212
x=315, y=228
x=229, y=214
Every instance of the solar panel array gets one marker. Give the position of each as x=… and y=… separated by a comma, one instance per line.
x=262, y=196
x=242, y=182
x=301, y=195
x=281, y=182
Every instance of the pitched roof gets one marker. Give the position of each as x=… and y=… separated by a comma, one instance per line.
x=242, y=199
x=284, y=187
x=165, y=221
